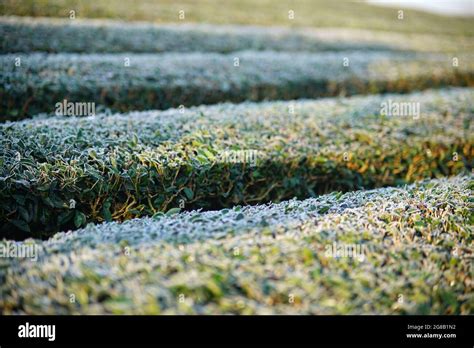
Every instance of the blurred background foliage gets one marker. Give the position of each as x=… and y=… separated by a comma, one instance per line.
x=311, y=13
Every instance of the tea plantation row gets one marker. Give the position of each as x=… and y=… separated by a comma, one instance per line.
x=35, y=83
x=60, y=173
x=388, y=251
x=95, y=36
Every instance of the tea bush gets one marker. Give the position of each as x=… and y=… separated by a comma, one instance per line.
x=59, y=173
x=125, y=82
x=94, y=36
x=387, y=251
x=53, y=35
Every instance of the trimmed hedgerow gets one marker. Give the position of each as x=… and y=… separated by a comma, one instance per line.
x=54, y=35
x=59, y=173
x=386, y=251
x=168, y=80
x=95, y=36
x=308, y=13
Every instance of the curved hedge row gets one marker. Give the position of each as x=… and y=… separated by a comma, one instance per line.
x=28, y=34
x=95, y=36
x=59, y=173
x=169, y=80
x=387, y=251
x=308, y=13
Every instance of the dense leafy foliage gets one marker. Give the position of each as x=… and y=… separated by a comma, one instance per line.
x=308, y=13
x=388, y=251
x=159, y=81
x=59, y=173
x=52, y=35
x=95, y=36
